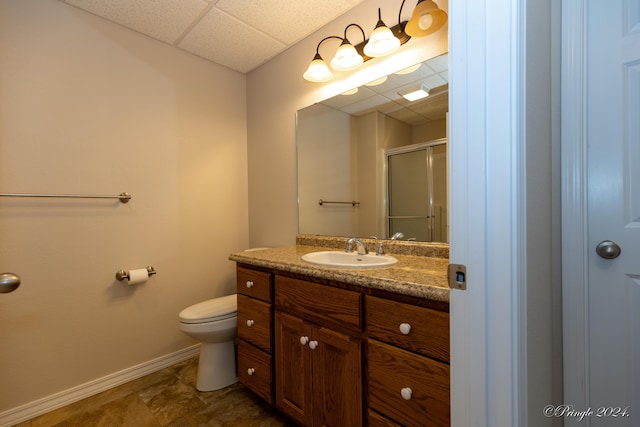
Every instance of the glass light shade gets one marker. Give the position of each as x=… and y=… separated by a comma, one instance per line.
x=381, y=43
x=347, y=58
x=317, y=71
x=426, y=19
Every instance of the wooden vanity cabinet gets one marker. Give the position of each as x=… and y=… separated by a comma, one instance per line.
x=408, y=363
x=318, y=368
x=255, y=331
x=305, y=347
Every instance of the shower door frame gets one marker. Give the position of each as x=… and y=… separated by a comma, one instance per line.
x=409, y=149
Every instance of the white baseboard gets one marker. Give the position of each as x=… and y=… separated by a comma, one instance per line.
x=46, y=404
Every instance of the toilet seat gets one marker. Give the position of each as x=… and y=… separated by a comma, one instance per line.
x=212, y=310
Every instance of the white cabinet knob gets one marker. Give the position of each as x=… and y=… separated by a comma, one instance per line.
x=251, y=371
x=405, y=328
x=313, y=345
x=249, y=284
x=406, y=393
x=250, y=323
x=304, y=340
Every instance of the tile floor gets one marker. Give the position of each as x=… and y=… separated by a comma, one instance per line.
x=166, y=398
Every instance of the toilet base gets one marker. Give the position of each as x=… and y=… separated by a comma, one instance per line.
x=217, y=366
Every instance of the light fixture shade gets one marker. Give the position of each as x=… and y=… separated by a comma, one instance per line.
x=381, y=43
x=317, y=70
x=426, y=19
x=346, y=58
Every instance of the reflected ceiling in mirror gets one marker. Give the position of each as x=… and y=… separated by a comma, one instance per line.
x=385, y=97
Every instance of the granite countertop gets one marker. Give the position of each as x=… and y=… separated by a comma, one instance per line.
x=419, y=276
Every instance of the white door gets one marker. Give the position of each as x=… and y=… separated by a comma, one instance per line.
x=612, y=136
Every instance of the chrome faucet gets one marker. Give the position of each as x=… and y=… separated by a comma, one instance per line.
x=362, y=249
x=398, y=235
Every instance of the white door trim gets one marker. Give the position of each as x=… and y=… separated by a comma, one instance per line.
x=574, y=205
x=488, y=334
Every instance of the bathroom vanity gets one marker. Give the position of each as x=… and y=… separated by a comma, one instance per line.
x=345, y=347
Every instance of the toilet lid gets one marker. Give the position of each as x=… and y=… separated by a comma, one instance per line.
x=211, y=310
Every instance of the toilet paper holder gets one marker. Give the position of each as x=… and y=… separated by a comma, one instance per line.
x=124, y=274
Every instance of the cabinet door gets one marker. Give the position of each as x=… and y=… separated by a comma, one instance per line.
x=293, y=368
x=337, y=379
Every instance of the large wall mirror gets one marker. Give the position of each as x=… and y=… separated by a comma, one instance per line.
x=372, y=163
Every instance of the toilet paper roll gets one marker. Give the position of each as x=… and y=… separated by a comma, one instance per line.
x=138, y=276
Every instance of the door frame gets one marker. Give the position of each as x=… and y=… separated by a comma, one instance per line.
x=574, y=205
x=487, y=171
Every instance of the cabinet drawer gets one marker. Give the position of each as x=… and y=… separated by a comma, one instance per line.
x=254, y=370
x=256, y=284
x=427, y=331
x=391, y=370
x=377, y=420
x=319, y=302
x=254, y=322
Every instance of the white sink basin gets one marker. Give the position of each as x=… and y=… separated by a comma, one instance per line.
x=343, y=259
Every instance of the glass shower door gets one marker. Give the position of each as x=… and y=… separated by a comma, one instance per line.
x=417, y=193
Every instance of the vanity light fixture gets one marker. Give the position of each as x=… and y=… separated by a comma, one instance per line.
x=347, y=57
x=426, y=18
x=318, y=71
x=415, y=94
x=382, y=41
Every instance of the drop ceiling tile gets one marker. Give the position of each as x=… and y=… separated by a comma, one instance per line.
x=408, y=116
x=300, y=17
x=340, y=101
x=224, y=39
x=440, y=63
x=165, y=20
x=433, y=107
x=366, y=105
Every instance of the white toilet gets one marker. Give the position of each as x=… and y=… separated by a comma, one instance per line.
x=215, y=323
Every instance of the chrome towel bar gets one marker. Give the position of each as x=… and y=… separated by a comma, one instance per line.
x=123, y=197
x=352, y=203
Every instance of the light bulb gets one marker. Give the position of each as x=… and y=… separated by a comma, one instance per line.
x=425, y=21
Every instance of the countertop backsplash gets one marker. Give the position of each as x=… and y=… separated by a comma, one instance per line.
x=391, y=247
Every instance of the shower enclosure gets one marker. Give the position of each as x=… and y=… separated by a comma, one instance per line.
x=417, y=191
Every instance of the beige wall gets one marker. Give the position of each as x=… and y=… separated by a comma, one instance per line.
x=276, y=90
x=87, y=106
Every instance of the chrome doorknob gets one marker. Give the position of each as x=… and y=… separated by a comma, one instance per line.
x=608, y=249
x=9, y=282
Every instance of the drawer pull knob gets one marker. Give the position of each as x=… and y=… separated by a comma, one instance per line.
x=250, y=323
x=405, y=328
x=249, y=284
x=406, y=393
x=251, y=371
x=304, y=340
x=313, y=345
